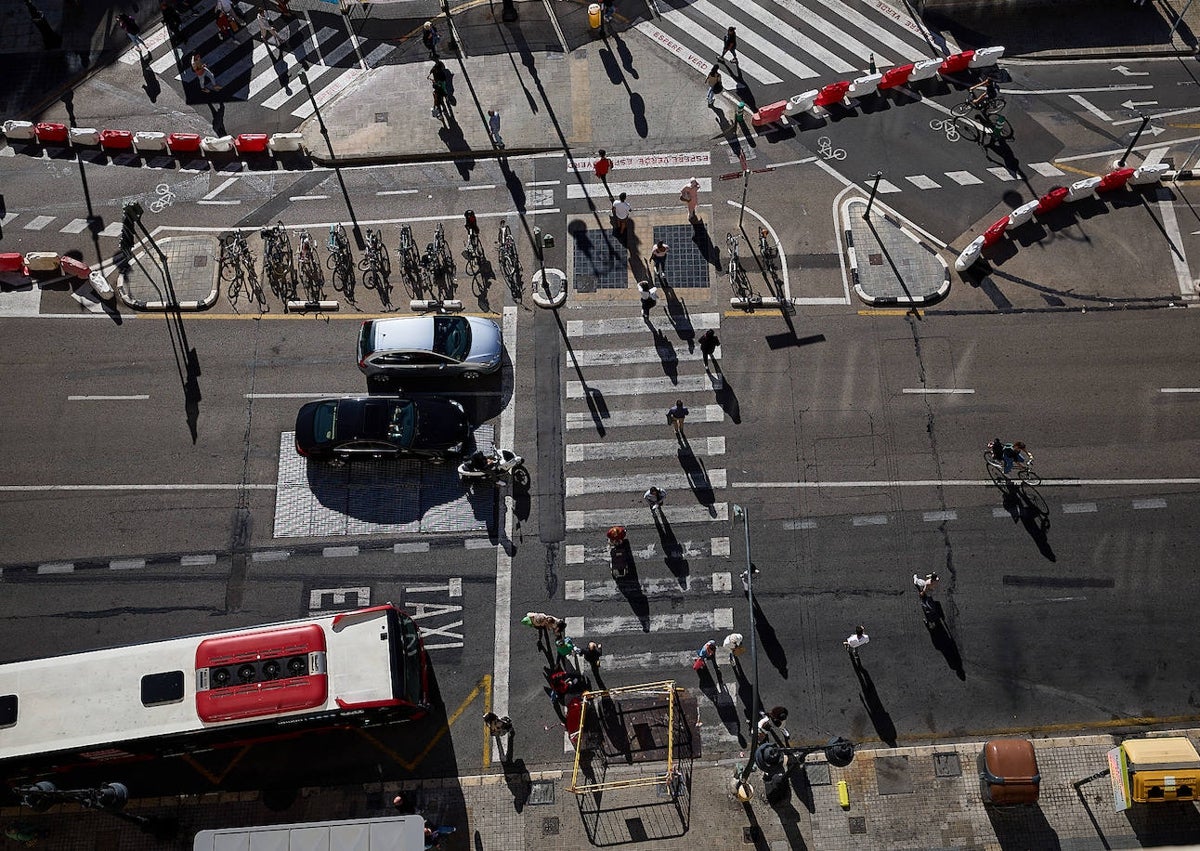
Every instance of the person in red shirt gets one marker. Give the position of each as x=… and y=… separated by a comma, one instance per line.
x=602, y=166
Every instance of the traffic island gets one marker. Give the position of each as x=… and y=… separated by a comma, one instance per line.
x=888, y=263
x=177, y=273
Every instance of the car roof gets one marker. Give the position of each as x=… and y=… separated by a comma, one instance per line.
x=409, y=332
x=366, y=416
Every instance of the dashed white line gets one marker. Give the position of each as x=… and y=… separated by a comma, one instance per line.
x=477, y=544
x=198, y=560
x=411, y=547
x=39, y=222
x=544, y=183
x=474, y=186
x=939, y=516
x=56, y=567
x=1179, y=390
x=396, y=192
x=1079, y=508
x=270, y=555
x=132, y=398
x=871, y=520
x=308, y=198
x=339, y=552
x=127, y=564
x=73, y=226
x=1142, y=504
x=934, y=391
x=1094, y=110
x=963, y=178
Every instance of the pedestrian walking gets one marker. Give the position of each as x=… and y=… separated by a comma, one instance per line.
x=498, y=725
x=225, y=24
x=707, y=653
x=229, y=9
x=602, y=166
x=609, y=8
x=404, y=804
x=690, y=195
x=926, y=585
x=658, y=256
x=733, y=646
x=494, y=128
x=207, y=81
x=439, y=75
x=856, y=640
x=621, y=211
x=592, y=654
x=675, y=416
x=430, y=37
x=771, y=725
x=542, y=622
x=654, y=498
x=133, y=30
x=745, y=577
x=649, y=296
x=708, y=346
x=265, y=30
x=713, y=81
x=730, y=45
x=170, y=16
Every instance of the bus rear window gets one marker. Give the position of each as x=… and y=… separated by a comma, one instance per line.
x=158, y=689
x=8, y=710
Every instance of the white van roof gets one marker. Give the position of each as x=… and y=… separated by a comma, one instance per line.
x=387, y=833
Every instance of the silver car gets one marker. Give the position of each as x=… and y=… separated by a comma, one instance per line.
x=429, y=345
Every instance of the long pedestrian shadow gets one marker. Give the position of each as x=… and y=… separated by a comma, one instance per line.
x=681, y=319
x=885, y=728
x=637, y=104
x=630, y=586
x=594, y=398
x=776, y=655
x=698, y=481
x=940, y=635
x=673, y=556
x=714, y=689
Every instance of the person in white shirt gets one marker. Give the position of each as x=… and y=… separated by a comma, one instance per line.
x=856, y=640
x=654, y=498
x=771, y=724
x=621, y=211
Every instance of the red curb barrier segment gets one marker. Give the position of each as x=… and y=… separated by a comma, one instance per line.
x=956, y=62
x=116, y=140
x=11, y=261
x=71, y=266
x=52, y=132
x=992, y=234
x=768, y=114
x=1052, y=199
x=833, y=93
x=897, y=76
x=183, y=142
x=1114, y=180
x=251, y=143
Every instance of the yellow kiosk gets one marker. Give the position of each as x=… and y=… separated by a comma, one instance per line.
x=1149, y=771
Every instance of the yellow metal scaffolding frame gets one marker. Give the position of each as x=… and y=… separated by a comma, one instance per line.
x=667, y=778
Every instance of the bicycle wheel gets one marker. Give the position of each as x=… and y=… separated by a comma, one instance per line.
x=520, y=477
x=372, y=280
x=234, y=291
x=479, y=286
x=508, y=267
x=961, y=109
x=968, y=129
x=1028, y=476
x=333, y=259
x=996, y=474
x=995, y=106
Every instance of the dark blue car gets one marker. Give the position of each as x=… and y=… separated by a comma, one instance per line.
x=382, y=426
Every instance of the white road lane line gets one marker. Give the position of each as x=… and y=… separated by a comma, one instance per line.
x=632, y=485
x=309, y=198
x=605, y=589
x=474, y=186
x=1046, y=169
x=938, y=483
x=1094, y=110
x=935, y=391
x=714, y=44
x=621, y=419
x=295, y=395
x=1179, y=390
x=502, y=654
x=843, y=11
x=225, y=184
x=661, y=385
x=270, y=555
x=133, y=398
x=1084, y=90
x=176, y=487
x=842, y=39
x=1079, y=508
x=634, y=188
x=1183, y=274
x=197, y=560
x=74, y=226
x=1157, y=115
x=939, y=516
x=1144, y=504
x=411, y=547
x=127, y=564
x=634, y=325
x=717, y=619
x=56, y=567
x=39, y=222
x=396, y=192
x=963, y=178
x=603, y=518
x=870, y=520
x=624, y=449
x=339, y=552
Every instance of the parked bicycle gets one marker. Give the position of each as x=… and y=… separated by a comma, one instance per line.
x=510, y=262
x=340, y=262
x=277, y=261
x=410, y=262
x=311, y=278
x=375, y=264
x=738, y=280
x=237, y=267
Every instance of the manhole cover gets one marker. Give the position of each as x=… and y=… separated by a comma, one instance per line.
x=541, y=792
x=817, y=773
x=550, y=826
x=858, y=825
x=946, y=765
x=875, y=259
x=892, y=775
x=199, y=261
x=381, y=118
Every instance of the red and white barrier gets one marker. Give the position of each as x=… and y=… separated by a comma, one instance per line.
x=956, y=63
x=833, y=93
x=768, y=114
x=251, y=143
x=147, y=140
x=84, y=136
x=19, y=129
x=1053, y=199
x=183, y=143
x=71, y=266
x=802, y=102
x=11, y=261
x=41, y=261
x=101, y=285
x=894, y=77
x=864, y=85
x=285, y=142
x=51, y=133
x=116, y=140
x=216, y=144
x=986, y=56
x=924, y=69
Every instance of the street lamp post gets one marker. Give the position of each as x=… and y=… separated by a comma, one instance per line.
x=875, y=188
x=1134, y=141
x=742, y=788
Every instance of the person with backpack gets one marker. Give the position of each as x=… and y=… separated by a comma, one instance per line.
x=133, y=30
x=713, y=81
x=430, y=37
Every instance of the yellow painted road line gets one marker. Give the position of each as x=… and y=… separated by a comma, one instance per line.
x=891, y=311
x=1074, y=170
x=484, y=684
x=358, y=317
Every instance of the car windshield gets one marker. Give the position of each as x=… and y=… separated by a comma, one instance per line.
x=325, y=422
x=403, y=428
x=452, y=337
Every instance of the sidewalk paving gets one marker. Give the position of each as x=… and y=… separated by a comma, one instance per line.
x=925, y=797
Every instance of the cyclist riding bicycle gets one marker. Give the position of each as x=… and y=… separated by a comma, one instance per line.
x=990, y=92
x=1009, y=454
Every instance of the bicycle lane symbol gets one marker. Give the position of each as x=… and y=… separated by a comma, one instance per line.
x=826, y=149
x=166, y=197
x=947, y=126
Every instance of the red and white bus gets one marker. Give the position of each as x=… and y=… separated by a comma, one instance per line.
x=358, y=668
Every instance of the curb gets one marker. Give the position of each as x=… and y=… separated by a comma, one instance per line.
x=160, y=306
x=879, y=301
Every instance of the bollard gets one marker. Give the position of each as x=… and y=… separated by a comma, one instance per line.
x=594, y=19
x=310, y=306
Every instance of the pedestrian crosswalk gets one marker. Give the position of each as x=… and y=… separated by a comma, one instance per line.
x=252, y=70
x=681, y=591
x=789, y=41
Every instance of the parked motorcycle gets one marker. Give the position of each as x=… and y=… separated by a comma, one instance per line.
x=500, y=465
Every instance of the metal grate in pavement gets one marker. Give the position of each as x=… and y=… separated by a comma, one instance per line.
x=947, y=765
x=600, y=261
x=686, y=266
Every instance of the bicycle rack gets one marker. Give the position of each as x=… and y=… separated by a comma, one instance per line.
x=312, y=306
x=435, y=305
